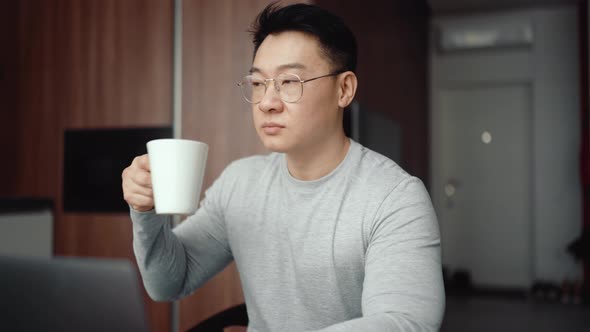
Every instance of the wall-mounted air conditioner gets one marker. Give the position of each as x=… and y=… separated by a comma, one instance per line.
x=473, y=36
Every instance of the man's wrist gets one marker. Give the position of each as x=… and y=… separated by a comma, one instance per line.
x=138, y=211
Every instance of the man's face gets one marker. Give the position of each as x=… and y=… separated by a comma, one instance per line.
x=294, y=127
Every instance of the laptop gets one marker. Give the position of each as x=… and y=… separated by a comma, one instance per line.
x=70, y=294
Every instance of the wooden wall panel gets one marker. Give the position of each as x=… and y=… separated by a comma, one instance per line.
x=89, y=64
x=392, y=37
x=217, y=54
x=8, y=95
x=40, y=129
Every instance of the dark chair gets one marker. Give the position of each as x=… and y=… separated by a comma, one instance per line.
x=234, y=316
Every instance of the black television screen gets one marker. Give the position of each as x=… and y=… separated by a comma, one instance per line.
x=94, y=161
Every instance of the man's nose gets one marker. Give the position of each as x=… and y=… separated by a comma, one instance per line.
x=271, y=101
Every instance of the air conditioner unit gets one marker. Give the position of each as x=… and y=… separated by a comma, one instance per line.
x=473, y=36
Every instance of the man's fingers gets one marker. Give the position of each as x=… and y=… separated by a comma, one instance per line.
x=140, y=190
x=141, y=203
x=130, y=186
x=137, y=184
x=143, y=179
x=142, y=162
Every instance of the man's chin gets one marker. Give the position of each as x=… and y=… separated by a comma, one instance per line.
x=274, y=146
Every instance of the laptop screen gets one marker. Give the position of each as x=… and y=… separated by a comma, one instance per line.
x=70, y=294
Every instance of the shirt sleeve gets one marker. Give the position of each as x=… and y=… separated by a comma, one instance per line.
x=403, y=287
x=175, y=262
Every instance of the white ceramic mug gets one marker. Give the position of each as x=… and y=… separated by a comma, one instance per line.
x=177, y=170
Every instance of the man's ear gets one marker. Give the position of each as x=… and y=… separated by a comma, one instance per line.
x=347, y=84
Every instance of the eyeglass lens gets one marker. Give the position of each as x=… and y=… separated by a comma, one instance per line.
x=288, y=86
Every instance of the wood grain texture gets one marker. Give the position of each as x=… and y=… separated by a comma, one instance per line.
x=89, y=64
x=9, y=78
x=217, y=54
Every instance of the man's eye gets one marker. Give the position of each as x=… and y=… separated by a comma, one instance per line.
x=287, y=82
x=256, y=84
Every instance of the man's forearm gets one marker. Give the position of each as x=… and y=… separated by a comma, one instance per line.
x=384, y=322
x=159, y=255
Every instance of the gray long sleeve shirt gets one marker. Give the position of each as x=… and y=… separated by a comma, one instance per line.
x=356, y=250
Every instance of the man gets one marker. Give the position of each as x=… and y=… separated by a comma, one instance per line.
x=326, y=234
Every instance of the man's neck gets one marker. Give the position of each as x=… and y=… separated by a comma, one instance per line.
x=314, y=163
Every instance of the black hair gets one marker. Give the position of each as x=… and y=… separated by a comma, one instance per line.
x=336, y=40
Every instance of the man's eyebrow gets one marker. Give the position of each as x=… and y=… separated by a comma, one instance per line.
x=294, y=65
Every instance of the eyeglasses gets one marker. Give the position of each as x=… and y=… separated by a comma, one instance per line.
x=289, y=86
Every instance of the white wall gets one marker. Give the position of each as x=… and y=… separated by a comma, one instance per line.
x=557, y=141
x=551, y=66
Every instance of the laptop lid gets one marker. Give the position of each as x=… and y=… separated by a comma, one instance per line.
x=70, y=294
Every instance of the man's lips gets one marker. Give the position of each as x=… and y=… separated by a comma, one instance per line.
x=272, y=128
x=272, y=124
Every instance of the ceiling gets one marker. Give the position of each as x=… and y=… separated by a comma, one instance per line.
x=443, y=6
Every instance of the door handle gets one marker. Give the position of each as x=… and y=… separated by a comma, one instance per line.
x=450, y=190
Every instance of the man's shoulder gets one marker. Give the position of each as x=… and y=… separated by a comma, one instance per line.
x=379, y=170
x=390, y=186
x=381, y=178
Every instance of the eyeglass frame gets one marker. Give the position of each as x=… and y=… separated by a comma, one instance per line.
x=278, y=89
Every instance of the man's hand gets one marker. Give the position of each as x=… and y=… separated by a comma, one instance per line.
x=137, y=184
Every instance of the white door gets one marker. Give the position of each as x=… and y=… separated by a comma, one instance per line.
x=481, y=180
